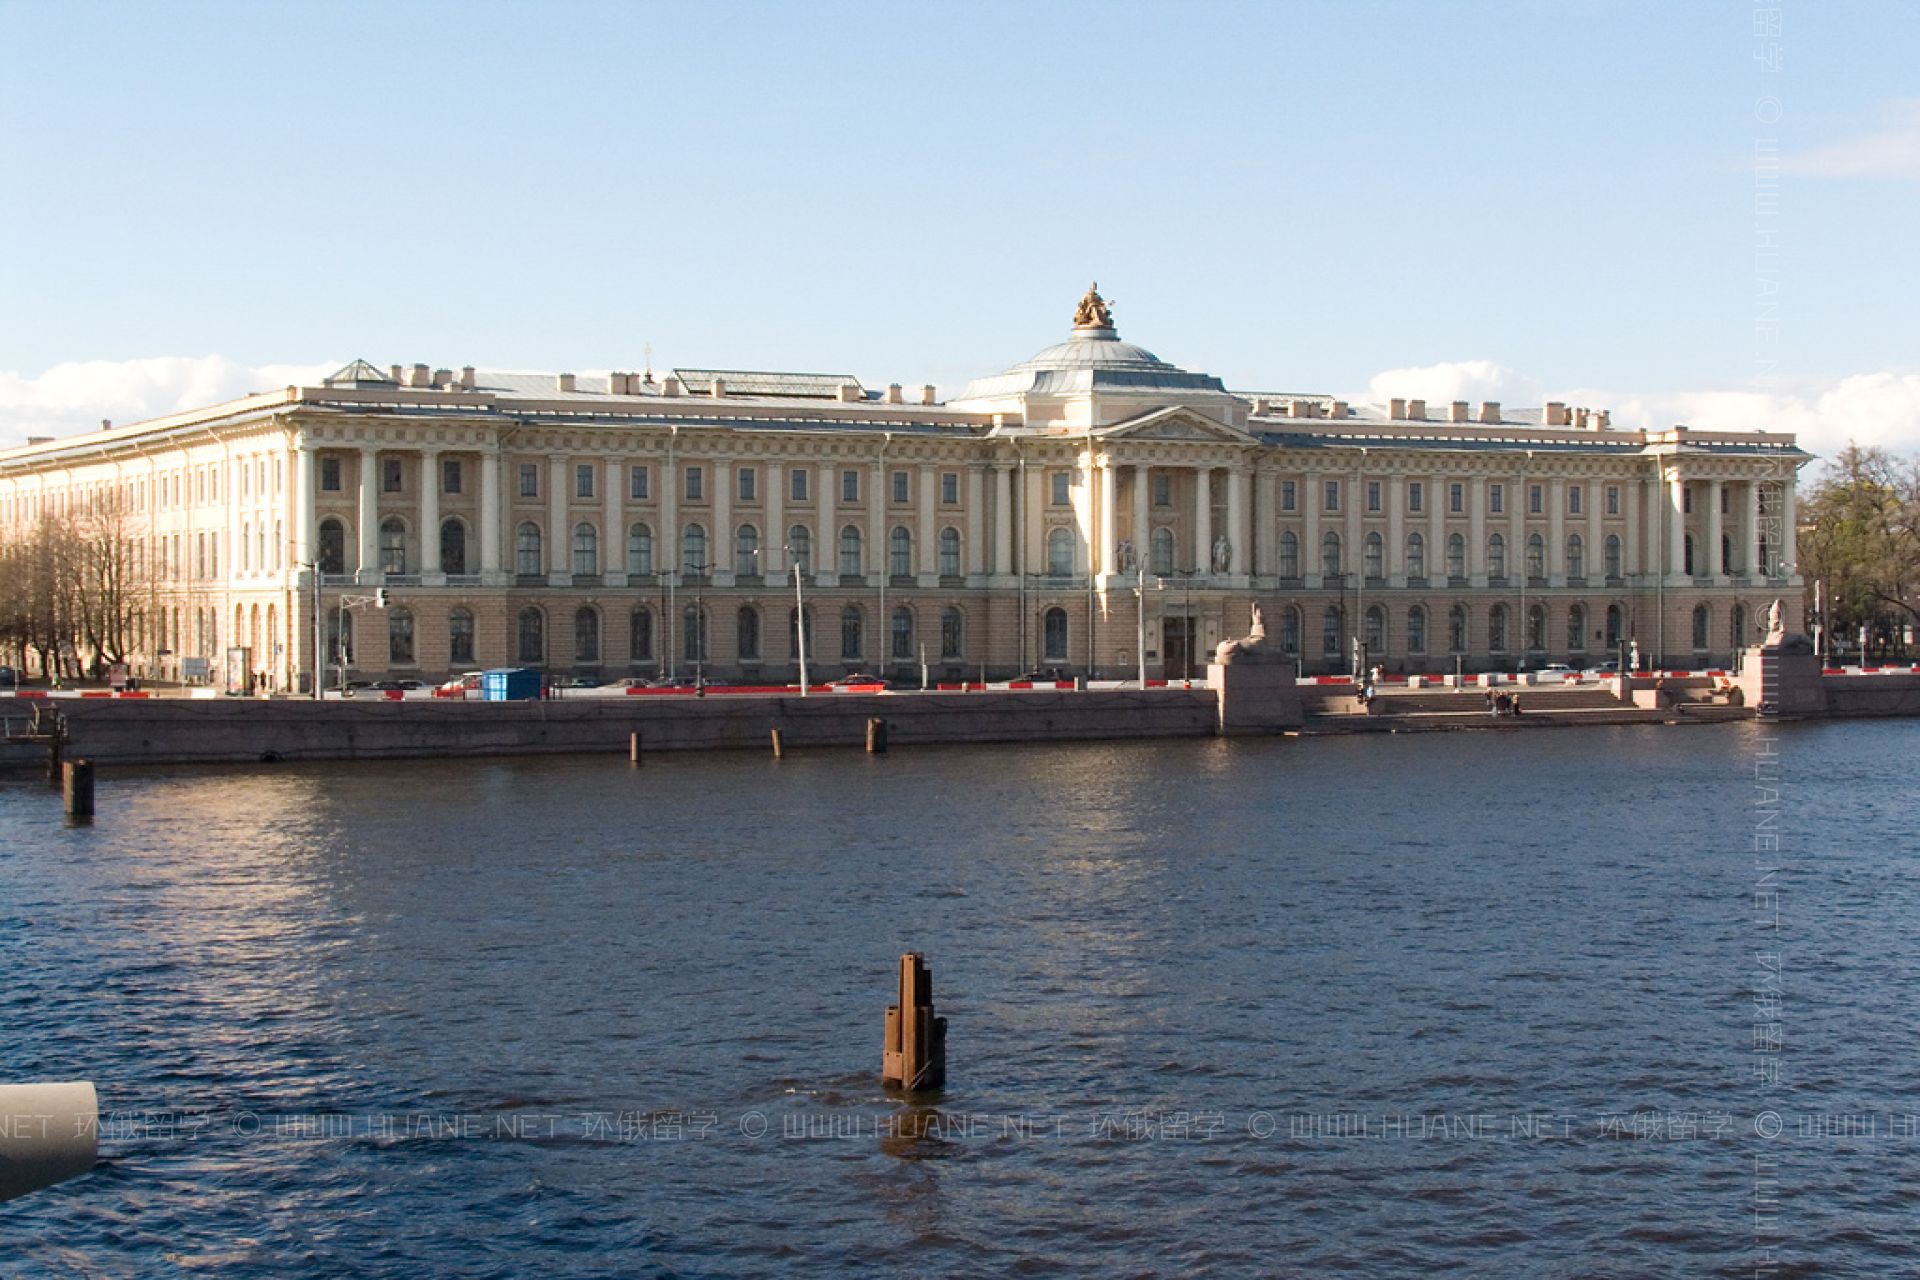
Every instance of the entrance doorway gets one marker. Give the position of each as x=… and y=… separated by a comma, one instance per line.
x=1176, y=647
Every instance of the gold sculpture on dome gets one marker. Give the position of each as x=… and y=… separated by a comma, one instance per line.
x=1094, y=312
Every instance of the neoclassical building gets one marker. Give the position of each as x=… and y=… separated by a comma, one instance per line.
x=1088, y=506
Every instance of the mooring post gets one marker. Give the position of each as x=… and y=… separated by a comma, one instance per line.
x=915, y=1055
x=876, y=737
x=77, y=787
x=56, y=745
x=633, y=747
x=776, y=745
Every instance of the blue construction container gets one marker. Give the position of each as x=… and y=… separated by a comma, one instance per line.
x=509, y=684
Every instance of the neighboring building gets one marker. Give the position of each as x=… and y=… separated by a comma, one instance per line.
x=622, y=525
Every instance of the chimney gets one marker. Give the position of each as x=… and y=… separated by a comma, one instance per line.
x=421, y=376
x=466, y=377
x=893, y=393
x=927, y=394
x=849, y=392
x=106, y=424
x=33, y=440
x=566, y=382
x=443, y=377
x=1603, y=419
x=672, y=386
x=1580, y=419
x=1396, y=408
x=1299, y=408
x=1417, y=410
x=395, y=372
x=1489, y=411
x=1260, y=406
x=1556, y=413
x=718, y=387
x=616, y=384
x=1338, y=409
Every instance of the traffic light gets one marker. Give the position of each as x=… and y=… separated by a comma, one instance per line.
x=380, y=598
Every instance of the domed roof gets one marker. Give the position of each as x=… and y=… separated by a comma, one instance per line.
x=1094, y=349
x=1092, y=359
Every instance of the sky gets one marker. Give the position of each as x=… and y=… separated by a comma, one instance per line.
x=1696, y=213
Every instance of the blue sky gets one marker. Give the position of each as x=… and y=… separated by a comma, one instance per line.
x=1496, y=199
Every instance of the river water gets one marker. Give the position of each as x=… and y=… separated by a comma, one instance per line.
x=1501, y=1004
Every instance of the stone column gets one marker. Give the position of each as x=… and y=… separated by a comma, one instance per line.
x=880, y=540
x=1310, y=576
x=1003, y=521
x=720, y=543
x=613, y=538
x=1477, y=531
x=1676, y=529
x=1238, y=527
x=559, y=532
x=429, y=511
x=826, y=542
x=773, y=555
x=1396, y=560
x=1202, y=521
x=1033, y=499
x=1103, y=559
x=1713, y=566
x=1751, y=564
x=303, y=522
x=1266, y=523
x=1789, y=535
x=666, y=543
x=1595, y=495
x=1143, y=515
x=1517, y=532
x=490, y=516
x=926, y=554
x=1354, y=553
x=1556, y=533
x=369, y=518
x=1436, y=546
x=976, y=516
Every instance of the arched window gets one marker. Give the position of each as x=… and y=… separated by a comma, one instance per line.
x=1536, y=628
x=1289, y=554
x=1456, y=556
x=586, y=634
x=1290, y=630
x=1496, y=557
x=949, y=552
x=900, y=552
x=1416, y=556
x=586, y=550
x=693, y=634
x=1161, y=544
x=526, y=550
x=1737, y=627
x=1616, y=626
x=393, y=545
x=1330, y=554
x=453, y=546
x=1053, y=630
x=1577, y=629
x=333, y=546
x=460, y=636
x=1457, y=629
x=1536, y=556
x=693, y=547
x=533, y=636
x=850, y=553
x=1702, y=626
x=1416, y=630
x=746, y=550
x=640, y=635
x=800, y=548
x=1376, y=640
x=902, y=634
x=1613, y=555
x=1576, y=556
x=1332, y=632
x=1497, y=629
x=639, y=550
x=1687, y=561
x=1376, y=565
x=953, y=633
x=851, y=627
x=746, y=634
x=1060, y=553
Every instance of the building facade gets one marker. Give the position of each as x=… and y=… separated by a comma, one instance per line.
x=1091, y=509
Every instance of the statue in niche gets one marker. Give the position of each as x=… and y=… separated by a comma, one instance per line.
x=1123, y=555
x=1094, y=312
x=1222, y=554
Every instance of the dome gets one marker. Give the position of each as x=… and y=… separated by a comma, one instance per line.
x=1092, y=359
x=1094, y=349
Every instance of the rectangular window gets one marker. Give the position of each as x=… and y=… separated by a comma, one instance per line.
x=900, y=488
x=1373, y=495
x=696, y=484
x=1416, y=496
x=390, y=475
x=1573, y=500
x=1162, y=489
x=583, y=480
x=1536, y=500
x=529, y=479
x=1496, y=498
x=849, y=486
x=450, y=475
x=1686, y=499
x=1060, y=481
x=1456, y=498
x=797, y=484
x=1331, y=496
x=1726, y=501
x=329, y=475
x=950, y=488
x=1613, y=499
x=639, y=483
x=1288, y=495
x=749, y=483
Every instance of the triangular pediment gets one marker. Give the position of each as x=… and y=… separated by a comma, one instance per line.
x=1172, y=423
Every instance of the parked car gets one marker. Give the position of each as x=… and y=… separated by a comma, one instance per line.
x=672, y=682
x=9, y=678
x=460, y=686
x=1045, y=675
x=390, y=686
x=582, y=682
x=857, y=680
x=1556, y=669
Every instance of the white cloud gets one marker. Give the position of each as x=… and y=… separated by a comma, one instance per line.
x=1891, y=151
x=1454, y=380
x=73, y=397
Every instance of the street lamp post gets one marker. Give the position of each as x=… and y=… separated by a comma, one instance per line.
x=799, y=620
